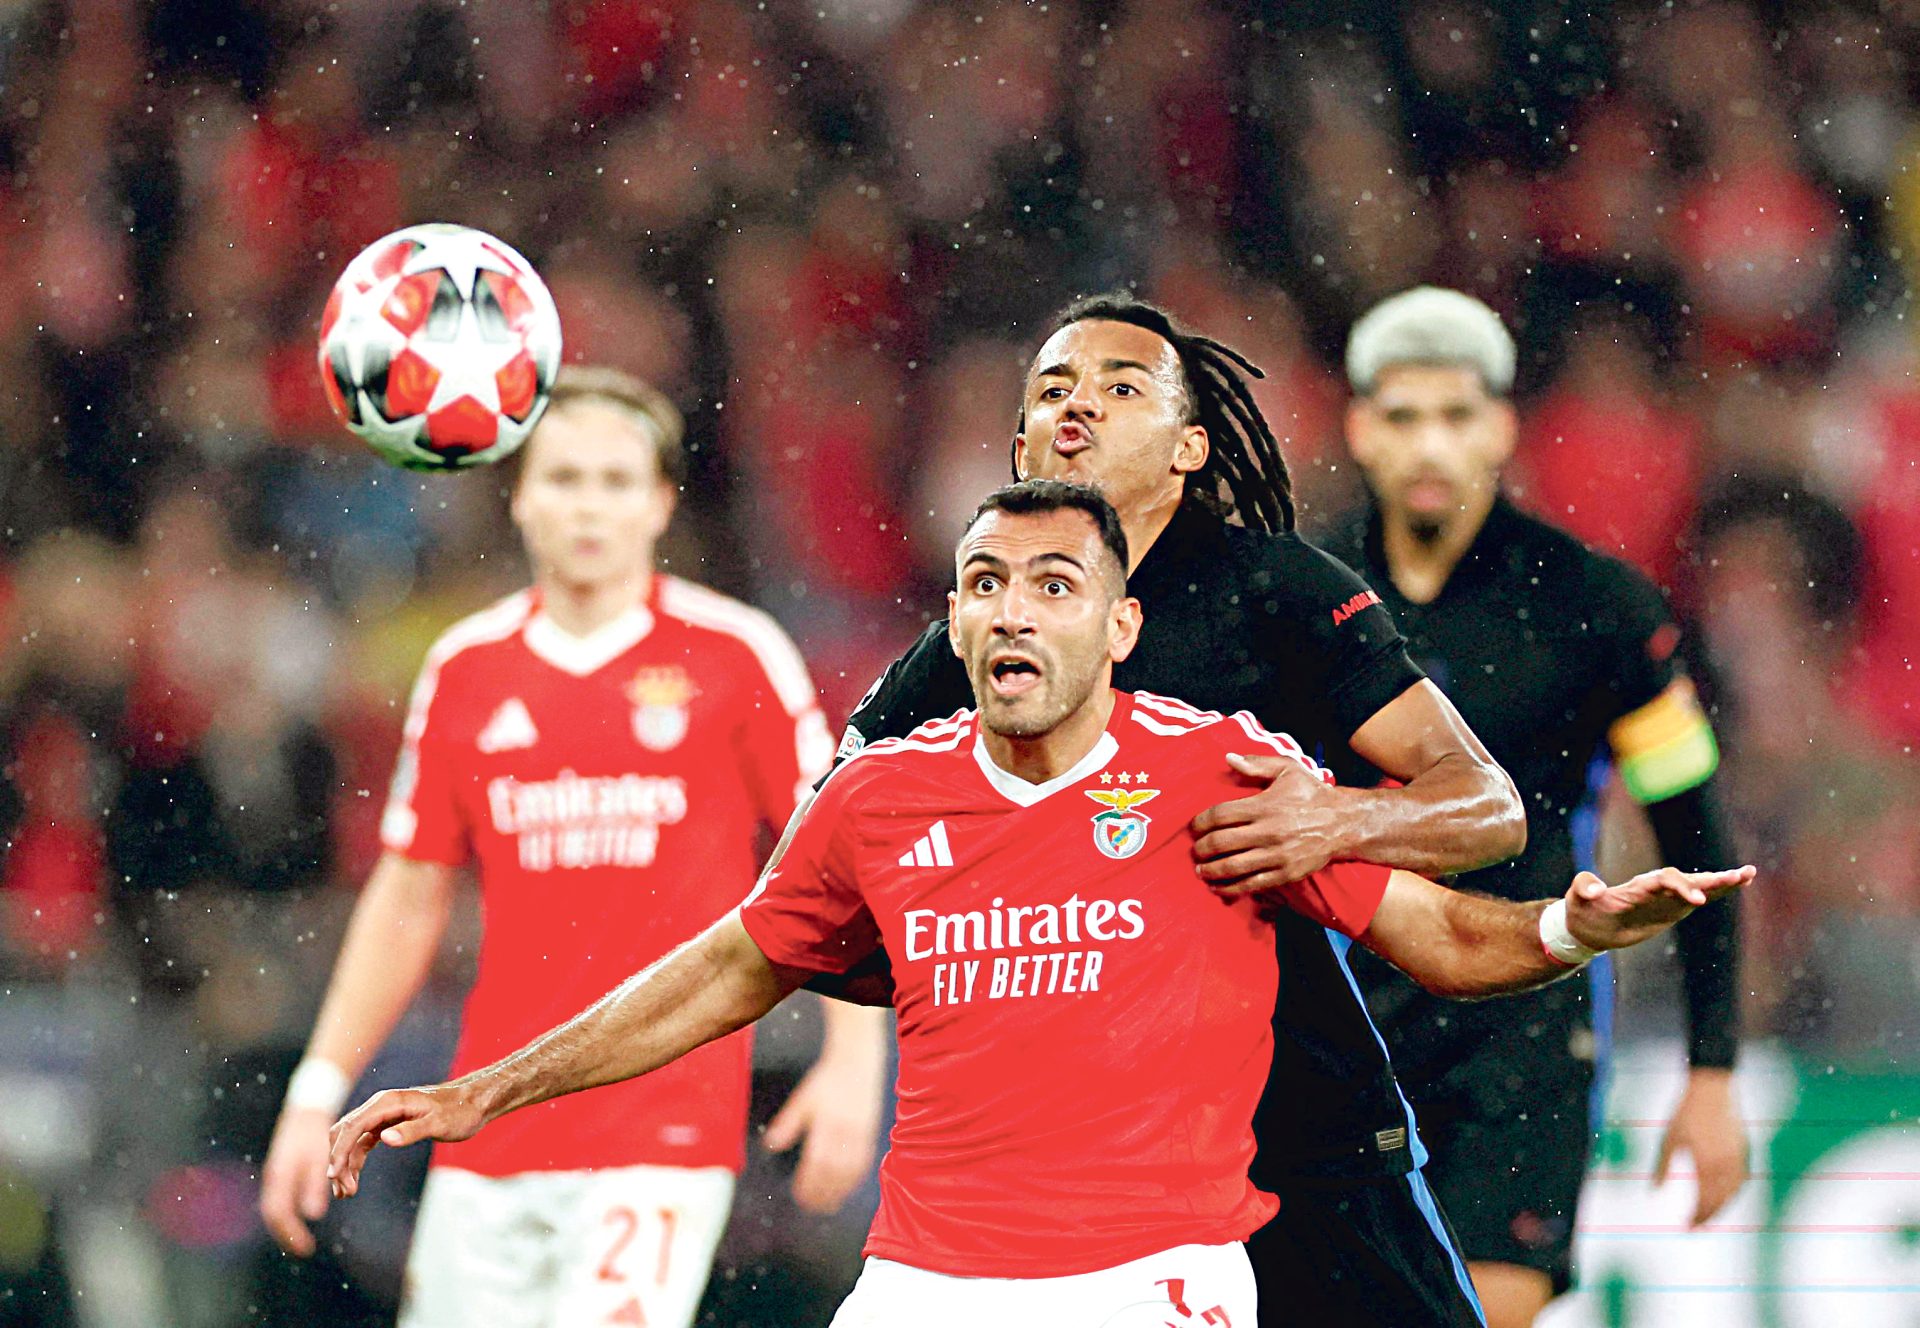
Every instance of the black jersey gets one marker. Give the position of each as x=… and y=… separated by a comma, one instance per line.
x=1238, y=620
x=1541, y=644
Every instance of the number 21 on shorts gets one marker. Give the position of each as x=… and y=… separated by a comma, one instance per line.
x=640, y=1249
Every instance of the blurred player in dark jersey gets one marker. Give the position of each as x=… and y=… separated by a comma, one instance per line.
x=1555, y=654
x=1083, y=1025
x=607, y=749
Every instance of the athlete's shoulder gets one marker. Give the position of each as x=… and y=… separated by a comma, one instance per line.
x=1586, y=579
x=1207, y=735
x=1290, y=570
x=499, y=622
x=933, y=750
x=724, y=619
x=924, y=682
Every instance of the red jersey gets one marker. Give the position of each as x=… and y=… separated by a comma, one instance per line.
x=611, y=790
x=1084, y=1026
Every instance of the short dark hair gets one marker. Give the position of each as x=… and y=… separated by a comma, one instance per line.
x=1243, y=457
x=1030, y=497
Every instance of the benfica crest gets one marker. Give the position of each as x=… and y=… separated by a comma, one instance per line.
x=661, y=697
x=1120, y=831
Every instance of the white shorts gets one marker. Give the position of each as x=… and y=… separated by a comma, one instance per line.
x=1205, y=1286
x=552, y=1249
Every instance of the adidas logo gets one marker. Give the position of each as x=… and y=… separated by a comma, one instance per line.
x=510, y=729
x=930, y=850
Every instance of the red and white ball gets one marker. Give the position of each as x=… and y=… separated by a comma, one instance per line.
x=438, y=346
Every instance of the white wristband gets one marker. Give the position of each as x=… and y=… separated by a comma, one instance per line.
x=318, y=1085
x=1560, y=943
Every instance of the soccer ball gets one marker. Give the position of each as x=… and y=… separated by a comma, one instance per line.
x=438, y=346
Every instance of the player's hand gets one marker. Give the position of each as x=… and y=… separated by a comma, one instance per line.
x=293, y=1180
x=396, y=1118
x=1288, y=830
x=1707, y=1126
x=834, y=1114
x=1603, y=917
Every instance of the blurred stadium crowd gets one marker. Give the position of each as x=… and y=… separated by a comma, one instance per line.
x=833, y=231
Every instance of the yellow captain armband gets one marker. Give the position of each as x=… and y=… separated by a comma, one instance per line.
x=1666, y=746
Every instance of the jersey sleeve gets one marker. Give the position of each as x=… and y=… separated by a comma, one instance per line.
x=422, y=818
x=1661, y=739
x=807, y=912
x=1349, y=637
x=1343, y=896
x=784, y=742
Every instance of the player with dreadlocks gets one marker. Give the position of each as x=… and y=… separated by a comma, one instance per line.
x=1240, y=613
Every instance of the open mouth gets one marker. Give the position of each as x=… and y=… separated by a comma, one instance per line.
x=1014, y=677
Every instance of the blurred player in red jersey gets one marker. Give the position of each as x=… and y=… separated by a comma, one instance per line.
x=606, y=747
x=1084, y=1026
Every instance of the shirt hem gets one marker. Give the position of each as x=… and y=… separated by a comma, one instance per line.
x=1108, y=1256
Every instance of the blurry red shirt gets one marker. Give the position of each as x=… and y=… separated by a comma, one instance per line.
x=611, y=790
x=1084, y=1026
x=1620, y=473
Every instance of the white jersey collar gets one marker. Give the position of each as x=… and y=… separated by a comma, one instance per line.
x=1017, y=790
x=582, y=655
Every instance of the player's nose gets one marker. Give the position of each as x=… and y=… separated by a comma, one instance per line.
x=1083, y=402
x=1013, y=615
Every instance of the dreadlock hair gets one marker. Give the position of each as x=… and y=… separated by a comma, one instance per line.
x=1245, y=473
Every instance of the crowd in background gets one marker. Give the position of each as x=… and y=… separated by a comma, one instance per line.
x=833, y=231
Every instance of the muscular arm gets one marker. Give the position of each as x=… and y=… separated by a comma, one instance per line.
x=714, y=984
x=1467, y=946
x=1458, y=809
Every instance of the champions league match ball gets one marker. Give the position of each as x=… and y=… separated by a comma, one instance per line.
x=438, y=347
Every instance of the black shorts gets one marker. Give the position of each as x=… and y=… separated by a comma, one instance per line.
x=1361, y=1254
x=1510, y=1180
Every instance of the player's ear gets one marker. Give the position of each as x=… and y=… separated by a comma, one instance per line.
x=1123, y=628
x=1020, y=456
x=1191, y=453
x=953, y=625
x=1359, y=430
x=1506, y=433
x=666, y=497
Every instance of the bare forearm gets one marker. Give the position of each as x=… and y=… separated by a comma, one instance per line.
x=385, y=956
x=714, y=984
x=1461, y=813
x=1460, y=945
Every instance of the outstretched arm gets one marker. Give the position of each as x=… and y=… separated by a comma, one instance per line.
x=1465, y=946
x=714, y=984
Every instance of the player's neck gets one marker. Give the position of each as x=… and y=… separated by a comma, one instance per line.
x=1051, y=754
x=583, y=609
x=1421, y=558
x=1144, y=525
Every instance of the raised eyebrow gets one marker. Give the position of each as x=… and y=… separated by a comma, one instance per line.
x=991, y=563
x=1066, y=558
x=1109, y=366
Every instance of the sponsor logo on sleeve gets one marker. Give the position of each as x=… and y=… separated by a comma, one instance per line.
x=1354, y=605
